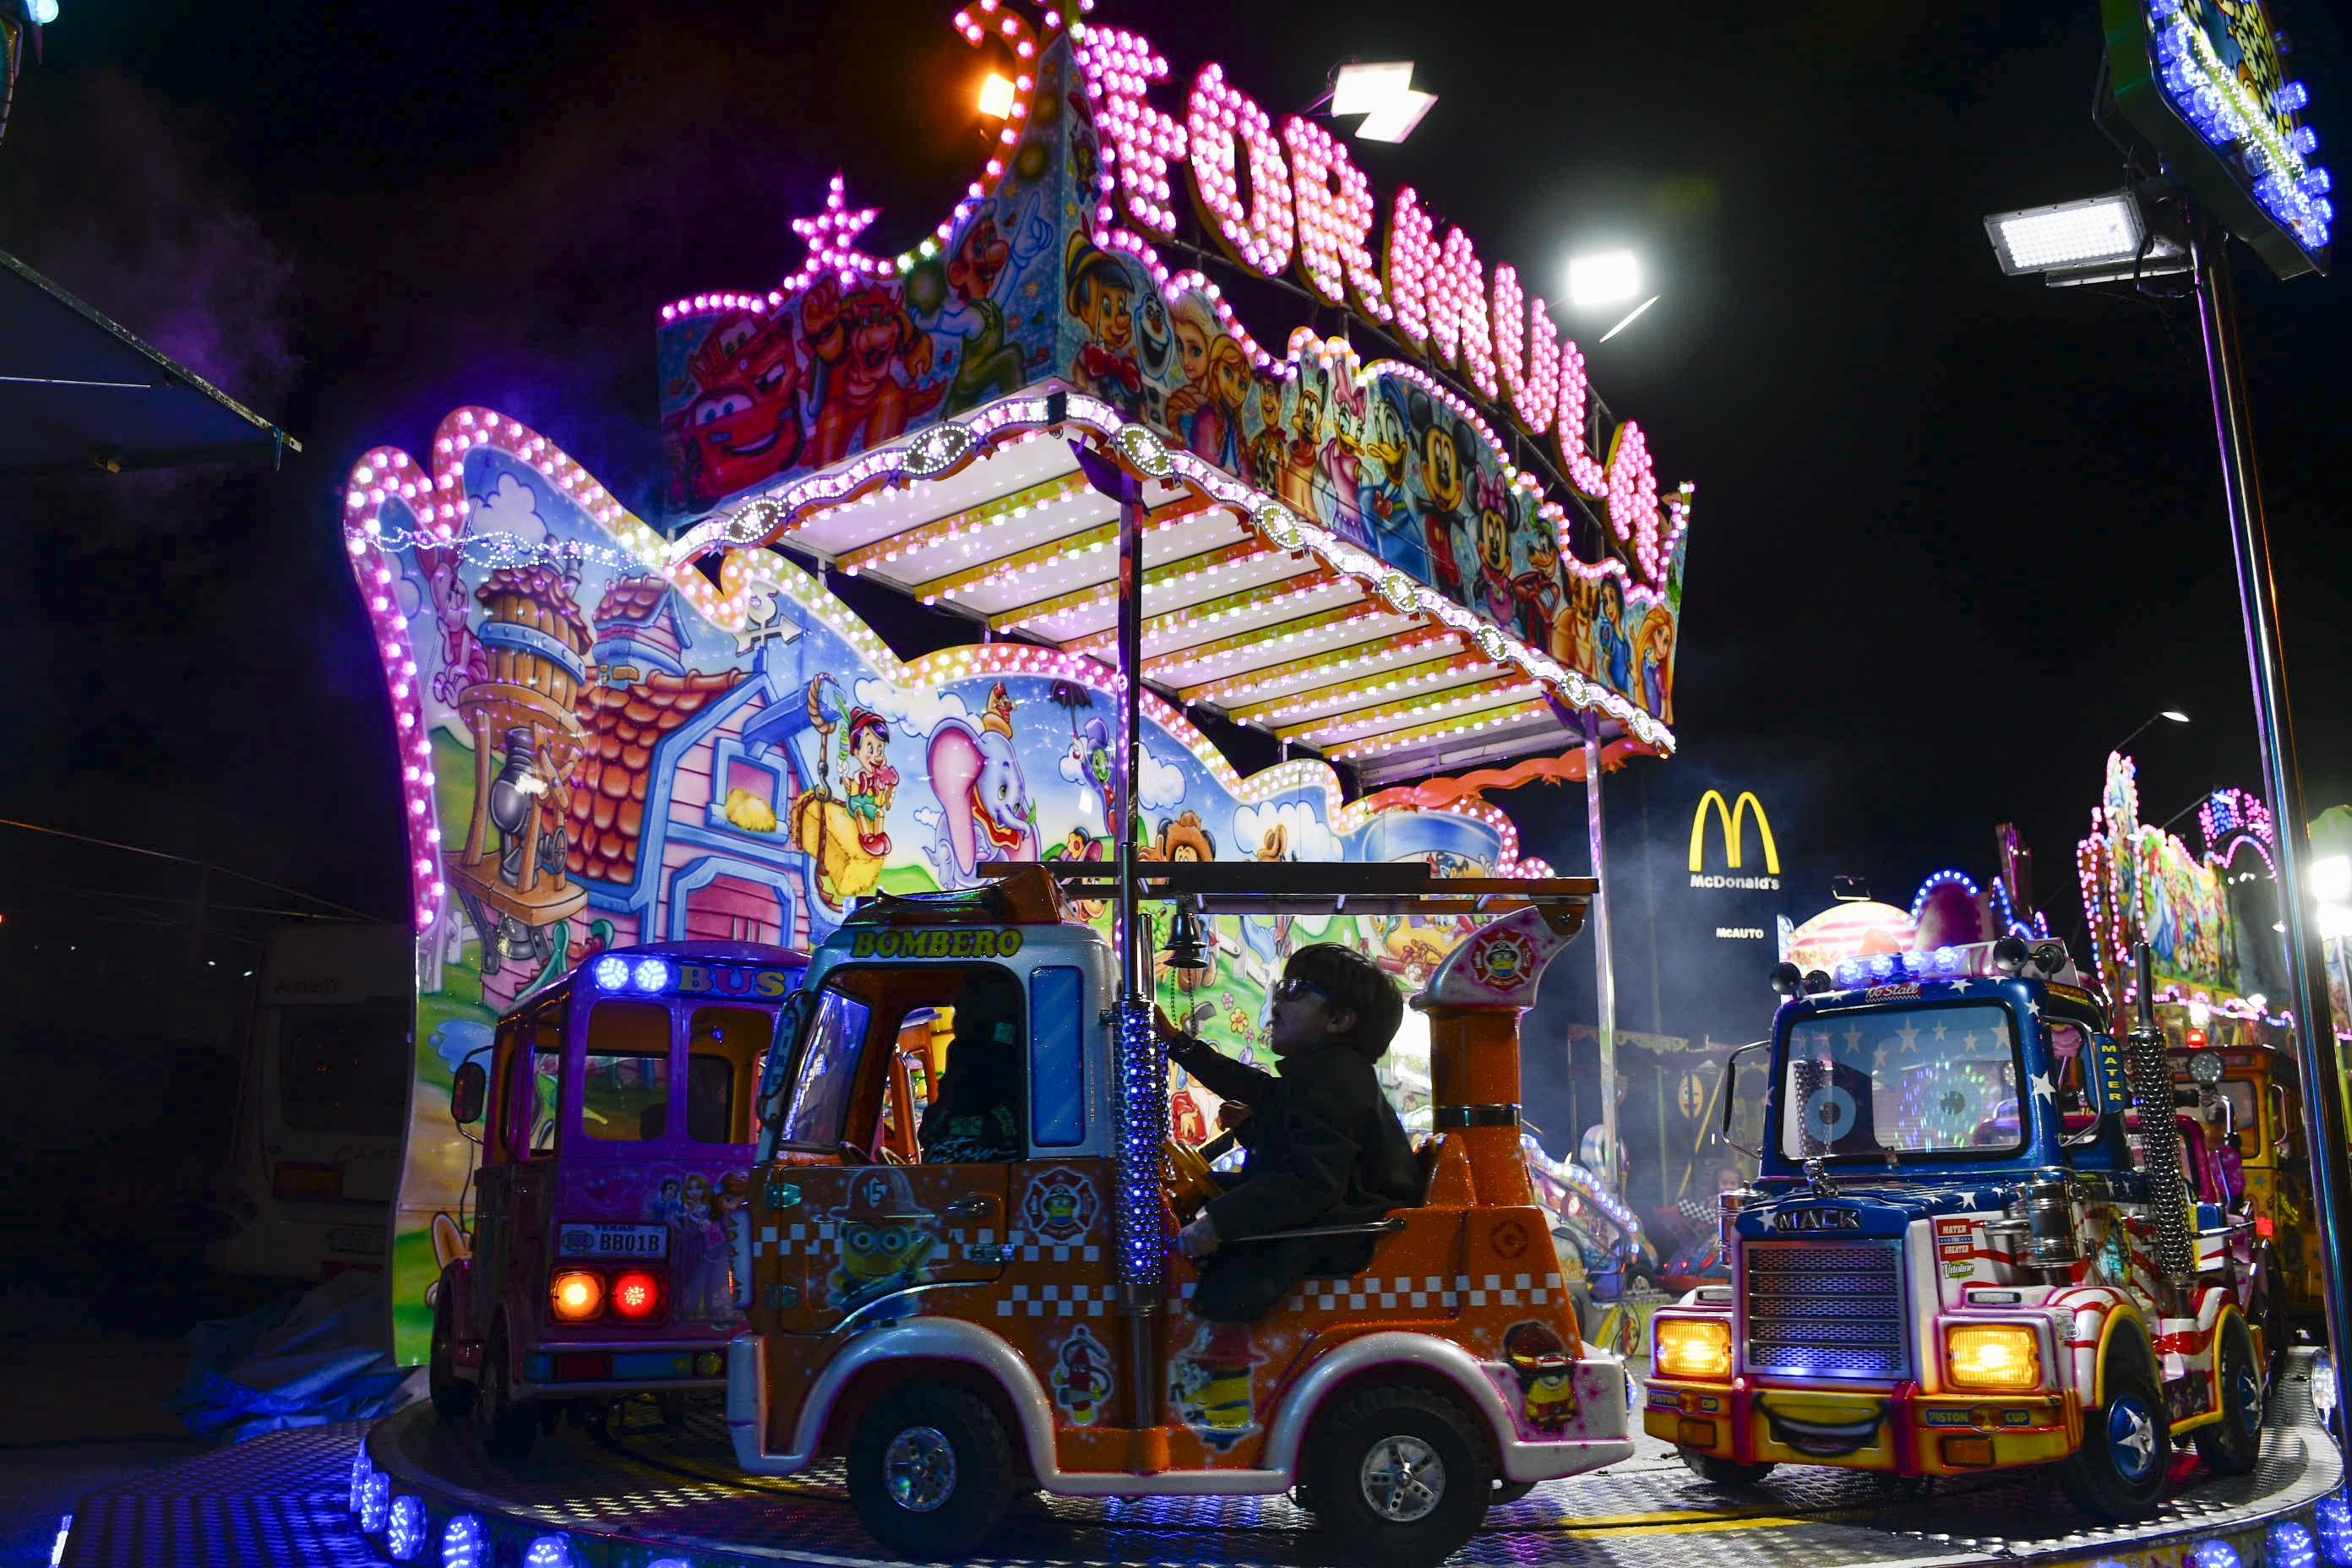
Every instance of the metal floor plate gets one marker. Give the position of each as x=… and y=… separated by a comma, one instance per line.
x=630, y=1498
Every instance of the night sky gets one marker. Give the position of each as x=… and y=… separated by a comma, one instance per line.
x=1955, y=534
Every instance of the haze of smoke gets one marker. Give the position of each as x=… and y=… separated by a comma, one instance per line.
x=107, y=194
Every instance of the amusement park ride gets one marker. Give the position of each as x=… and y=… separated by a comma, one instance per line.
x=713, y=893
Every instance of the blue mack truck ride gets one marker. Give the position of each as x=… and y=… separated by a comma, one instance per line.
x=1971, y=1246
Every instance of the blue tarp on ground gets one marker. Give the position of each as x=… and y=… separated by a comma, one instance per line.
x=302, y=1361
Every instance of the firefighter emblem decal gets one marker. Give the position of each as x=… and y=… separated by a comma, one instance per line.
x=1501, y=959
x=1059, y=1207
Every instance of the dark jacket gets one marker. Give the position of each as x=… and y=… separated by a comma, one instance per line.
x=1325, y=1148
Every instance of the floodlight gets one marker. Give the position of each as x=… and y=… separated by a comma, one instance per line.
x=1383, y=94
x=1368, y=88
x=1610, y=278
x=995, y=97
x=2174, y=714
x=2331, y=879
x=1394, y=122
x=2103, y=229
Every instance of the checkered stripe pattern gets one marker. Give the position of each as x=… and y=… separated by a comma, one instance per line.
x=802, y=1240
x=1028, y=1248
x=1420, y=1292
x=1056, y=1302
x=808, y=1240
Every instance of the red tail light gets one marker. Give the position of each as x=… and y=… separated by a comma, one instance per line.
x=635, y=1294
x=296, y=1183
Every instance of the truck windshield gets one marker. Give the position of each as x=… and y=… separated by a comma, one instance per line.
x=1902, y=1081
x=827, y=1072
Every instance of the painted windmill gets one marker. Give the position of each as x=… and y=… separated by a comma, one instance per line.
x=526, y=741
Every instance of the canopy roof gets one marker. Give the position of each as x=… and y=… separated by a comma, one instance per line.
x=1251, y=611
x=79, y=391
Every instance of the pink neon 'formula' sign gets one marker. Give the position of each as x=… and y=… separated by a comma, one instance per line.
x=1309, y=210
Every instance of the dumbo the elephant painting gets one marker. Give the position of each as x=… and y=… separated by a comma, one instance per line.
x=985, y=808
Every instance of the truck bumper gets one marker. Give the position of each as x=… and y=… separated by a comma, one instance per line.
x=551, y=1372
x=1898, y=1430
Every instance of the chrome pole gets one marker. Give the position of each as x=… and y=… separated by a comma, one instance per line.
x=2323, y=1085
x=1142, y=1062
x=1604, y=990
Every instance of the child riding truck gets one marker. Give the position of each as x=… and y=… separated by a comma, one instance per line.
x=1383, y=1328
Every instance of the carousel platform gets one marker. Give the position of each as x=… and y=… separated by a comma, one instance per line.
x=647, y=1493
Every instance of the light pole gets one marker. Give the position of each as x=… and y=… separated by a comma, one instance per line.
x=1605, y=968
x=2174, y=714
x=1602, y=281
x=2233, y=158
x=1607, y=277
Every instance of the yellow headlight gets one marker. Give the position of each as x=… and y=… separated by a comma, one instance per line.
x=1993, y=1355
x=1693, y=1348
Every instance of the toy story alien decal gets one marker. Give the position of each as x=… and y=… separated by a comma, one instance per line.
x=887, y=1238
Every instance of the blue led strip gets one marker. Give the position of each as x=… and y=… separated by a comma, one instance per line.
x=1142, y=1132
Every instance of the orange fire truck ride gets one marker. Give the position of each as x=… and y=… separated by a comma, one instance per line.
x=963, y=1333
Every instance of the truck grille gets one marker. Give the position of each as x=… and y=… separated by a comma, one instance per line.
x=1825, y=1310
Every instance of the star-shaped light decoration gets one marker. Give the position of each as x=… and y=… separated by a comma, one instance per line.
x=832, y=238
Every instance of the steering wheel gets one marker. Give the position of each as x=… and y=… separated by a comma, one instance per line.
x=1185, y=1167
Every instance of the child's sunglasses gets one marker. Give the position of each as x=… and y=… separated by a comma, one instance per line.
x=1291, y=987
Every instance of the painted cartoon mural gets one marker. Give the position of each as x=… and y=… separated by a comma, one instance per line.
x=1031, y=282
x=2207, y=919
x=599, y=749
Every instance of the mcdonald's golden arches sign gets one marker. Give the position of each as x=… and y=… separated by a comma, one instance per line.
x=1737, y=871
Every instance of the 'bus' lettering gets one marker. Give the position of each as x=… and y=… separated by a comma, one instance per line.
x=771, y=982
x=693, y=978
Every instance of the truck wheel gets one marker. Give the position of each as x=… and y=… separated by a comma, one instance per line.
x=452, y=1395
x=2232, y=1445
x=1718, y=1471
x=506, y=1429
x=2119, y=1472
x=930, y=1471
x=1401, y=1477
